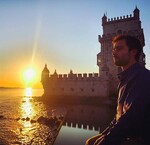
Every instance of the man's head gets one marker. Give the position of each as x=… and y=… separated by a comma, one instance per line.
x=126, y=49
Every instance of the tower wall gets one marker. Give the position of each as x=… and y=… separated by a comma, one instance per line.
x=130, y=25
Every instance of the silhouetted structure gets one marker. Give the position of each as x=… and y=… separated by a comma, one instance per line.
x=105, y=83
x=88, y=117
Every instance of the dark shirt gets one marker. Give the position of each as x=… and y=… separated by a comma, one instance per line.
x=133, y=109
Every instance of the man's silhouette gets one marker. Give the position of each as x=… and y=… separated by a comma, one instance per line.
x=132, y=120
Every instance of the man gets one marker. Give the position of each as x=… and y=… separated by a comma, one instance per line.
x=132, y=120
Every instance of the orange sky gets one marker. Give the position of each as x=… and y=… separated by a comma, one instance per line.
x=63, y=35
x=14, y=77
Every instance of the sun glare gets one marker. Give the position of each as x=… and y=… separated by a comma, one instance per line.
x=29, y=74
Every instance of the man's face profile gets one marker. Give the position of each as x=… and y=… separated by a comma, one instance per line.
x=121, y=53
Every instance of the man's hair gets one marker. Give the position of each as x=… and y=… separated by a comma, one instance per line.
x=131, y=42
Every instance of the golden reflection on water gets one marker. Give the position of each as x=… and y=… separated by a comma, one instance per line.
x=28, y=92
x=29, y=132
x=27, y=109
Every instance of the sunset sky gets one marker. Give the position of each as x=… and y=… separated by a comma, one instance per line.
x=61, y=33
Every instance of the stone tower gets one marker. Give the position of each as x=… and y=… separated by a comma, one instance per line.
x=111, y=27
x=45, y=75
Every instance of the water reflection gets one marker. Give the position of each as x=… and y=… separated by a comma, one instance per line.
x=83, y=121
x=20, y=110
x=88, y=117
x=27, y=106
x=28, y=92
x=27, y=112
x=32, y=129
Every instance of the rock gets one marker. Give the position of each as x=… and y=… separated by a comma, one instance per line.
x=23, y=119
x=55, y=118
x=20, y=129
x=51, y=122
x=17, y=142
x=27, y=118
x=46, y=121
x=40, y=119
x=57, y=123
x=18, y=118
x=33, y=121
x=61, y=117
x=2, y=117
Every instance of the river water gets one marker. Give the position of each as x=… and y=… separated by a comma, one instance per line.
x=19, y=106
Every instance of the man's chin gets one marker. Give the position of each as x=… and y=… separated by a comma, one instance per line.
x=118, y=63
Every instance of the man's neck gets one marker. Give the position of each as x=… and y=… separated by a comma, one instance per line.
x=127, y=66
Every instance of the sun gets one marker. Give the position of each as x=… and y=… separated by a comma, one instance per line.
x=29, y=74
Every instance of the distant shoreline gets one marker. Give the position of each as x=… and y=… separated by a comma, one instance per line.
x=11, y=88
x=16, y=88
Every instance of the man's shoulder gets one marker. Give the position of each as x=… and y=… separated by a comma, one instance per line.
x=143, y=74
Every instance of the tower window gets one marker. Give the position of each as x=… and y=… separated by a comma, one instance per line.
x=99, y=60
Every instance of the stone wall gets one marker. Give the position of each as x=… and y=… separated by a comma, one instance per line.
x=77, y=85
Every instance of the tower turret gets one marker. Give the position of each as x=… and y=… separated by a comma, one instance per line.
x=45, y=74
x=55, y=75
x=104, y=19
x=136, y=13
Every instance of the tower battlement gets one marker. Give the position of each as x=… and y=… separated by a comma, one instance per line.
x=79, y=76
x=79, y=85
x=120, y=19
x=135, y=16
